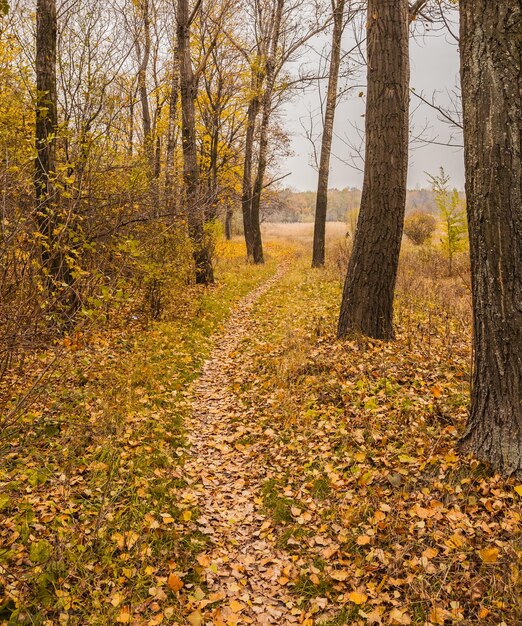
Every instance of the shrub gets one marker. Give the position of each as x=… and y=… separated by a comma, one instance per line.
x=419, y=227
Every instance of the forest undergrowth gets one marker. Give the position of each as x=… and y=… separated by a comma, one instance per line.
x=385, y=521
x=382, y=519
x=90, y=473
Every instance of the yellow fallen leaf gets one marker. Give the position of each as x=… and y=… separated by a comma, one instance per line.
x=203, y=560
x=363, y=540
x=357, y=597
x=124, y=616
x=195, y=619
x=236, y=606
x=187, y=516
x=430, y=553
x=174, y=582
x=489, y=555
x=399, y=617
x=438, y=615
x=116, y=599
x=518, y=489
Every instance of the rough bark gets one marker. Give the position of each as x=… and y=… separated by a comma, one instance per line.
x=46, y=110
x=367, y=305
x=321, y=207
x=194, y=209
x=491, y=73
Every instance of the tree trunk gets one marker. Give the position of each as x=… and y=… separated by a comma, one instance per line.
x=46, y=110
x=326, y=144
x=228, y=222
x=367, y=304
x=246, y=199
x=194, y=209
x=171, y=139
x=47, y=210
x=148, y=140
x=491, y=72
x=255, y=224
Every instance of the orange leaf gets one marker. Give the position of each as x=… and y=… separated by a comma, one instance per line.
x=489, y=555
x=357, y=597
x=124, y=616
x=436, y=391
x=363, y=540
x=174, y=582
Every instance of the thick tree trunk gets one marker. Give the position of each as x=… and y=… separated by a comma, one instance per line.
x=194, y=210
x=491, y=72
x=47, y=210
x=367, y=304
x=326, y=144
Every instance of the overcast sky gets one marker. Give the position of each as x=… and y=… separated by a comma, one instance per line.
x=435, y=66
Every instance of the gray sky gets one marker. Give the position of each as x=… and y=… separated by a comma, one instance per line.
x=435, y=66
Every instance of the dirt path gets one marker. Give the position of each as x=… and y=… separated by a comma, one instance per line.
x=244, y=567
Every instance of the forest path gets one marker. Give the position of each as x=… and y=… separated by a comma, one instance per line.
x=245, y=572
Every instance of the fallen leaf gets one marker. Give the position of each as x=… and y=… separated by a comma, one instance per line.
x=124, y=616
x=357, y=597
x=236, y=606
x=195, y=618
x=489, y=555
x=363, y=540
x=436, y=390
x=438, y=615
x=174, y=582
x=399, y=617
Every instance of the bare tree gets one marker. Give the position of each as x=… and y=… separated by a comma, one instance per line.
x=281, y=30
x=367, y=304
x=338, y=9
x=491, y=72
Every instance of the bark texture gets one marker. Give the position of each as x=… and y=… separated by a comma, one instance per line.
x=491, y=72
x=194, y=209
x=326, y=142
x=367, y=305
x=46, y=110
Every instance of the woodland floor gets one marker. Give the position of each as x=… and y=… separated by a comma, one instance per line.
x=235, y=464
